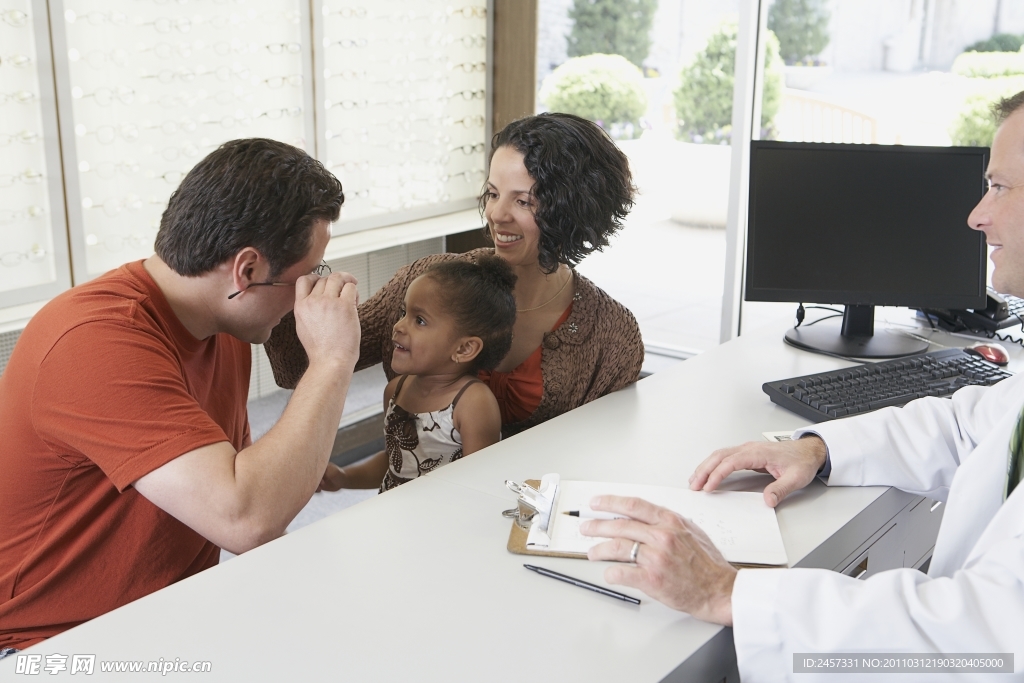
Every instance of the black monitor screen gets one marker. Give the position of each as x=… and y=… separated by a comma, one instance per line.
x=865, y=224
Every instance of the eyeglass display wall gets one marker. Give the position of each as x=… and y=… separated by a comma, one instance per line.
x=404, y=103
x=33, y=236
x=392, y=96
x=154, y=87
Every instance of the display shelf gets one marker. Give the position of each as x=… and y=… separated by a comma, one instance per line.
x=403, y=94
x=105, y=107
x=33, y=246
x=148, y=89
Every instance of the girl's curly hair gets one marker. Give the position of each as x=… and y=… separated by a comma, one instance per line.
x=583, y=187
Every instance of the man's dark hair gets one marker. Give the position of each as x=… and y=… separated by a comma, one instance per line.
x=479, y=296
x=255, y=193
x=582, y=184
x=1006, y=106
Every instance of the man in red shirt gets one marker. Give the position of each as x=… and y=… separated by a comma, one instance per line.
x=126, y=458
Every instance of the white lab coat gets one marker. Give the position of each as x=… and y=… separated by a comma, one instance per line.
x=972, y=600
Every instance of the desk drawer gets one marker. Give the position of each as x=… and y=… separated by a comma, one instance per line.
x=921, y=528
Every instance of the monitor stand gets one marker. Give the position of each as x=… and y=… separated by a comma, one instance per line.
x=855, y=338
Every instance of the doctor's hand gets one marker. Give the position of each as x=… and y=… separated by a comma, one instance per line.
x=326, y=320
x=794, y=464
x=675, y=562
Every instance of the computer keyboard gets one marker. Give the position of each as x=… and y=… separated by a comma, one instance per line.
x=863, y=388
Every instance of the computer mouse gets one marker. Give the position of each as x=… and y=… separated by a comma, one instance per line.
x=993, y=353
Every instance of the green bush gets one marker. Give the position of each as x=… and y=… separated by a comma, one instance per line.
x=606, y=89
x=1000, y=42
x=801, y=27
x=614, y=27
x=988, y=64
x=975, y=125
x=703, y=98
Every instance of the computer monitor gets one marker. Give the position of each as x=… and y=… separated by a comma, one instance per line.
x=864, y=226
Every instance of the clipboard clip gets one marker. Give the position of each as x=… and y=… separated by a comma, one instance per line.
x=531, y=502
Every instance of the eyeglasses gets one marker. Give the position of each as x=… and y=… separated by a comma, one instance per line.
x=25, y=136
x=468, y=41
x=8, y=217
x=468, y=67
x=467, y=94
x=28, y=177
x=164, y=25
x=172, y=177
x=97, y=18
x=17, y=61
x=346, y=74
x=322, y=270
x=346, y=43
x=109, y=169
x=279, y=81
x=114, y=205
x=346, y=12
x=468, y=149
x=107, y=134
x=105, y=97
x=278, y=113
x=14, y=17
x=230, y=121
x=476, y=174
x=21, y=97
x=468, y=12
x=117, y=242
x=100, y=59
x=467, y=121
x=168, y=75
x=281, y=48
x=173, y=127
x=16, y=258
x=171, y=153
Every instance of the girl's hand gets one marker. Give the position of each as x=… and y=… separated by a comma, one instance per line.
x=333, y=479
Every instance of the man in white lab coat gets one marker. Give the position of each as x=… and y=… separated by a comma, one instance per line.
x=966, y=451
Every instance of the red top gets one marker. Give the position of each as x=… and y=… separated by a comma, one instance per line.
x=104, y=386
x=520, y=390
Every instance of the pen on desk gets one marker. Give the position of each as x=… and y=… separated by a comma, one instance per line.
x=593, y=514
x=582, y=584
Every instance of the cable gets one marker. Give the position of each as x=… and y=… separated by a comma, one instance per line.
x=928, y=317
x=799, y=315
x=814, y=322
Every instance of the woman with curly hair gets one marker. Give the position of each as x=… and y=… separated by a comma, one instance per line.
x=557, y=189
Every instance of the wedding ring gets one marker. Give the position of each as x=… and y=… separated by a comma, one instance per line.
x=634, y=551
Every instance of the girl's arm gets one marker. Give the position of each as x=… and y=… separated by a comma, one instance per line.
x=365, y=474
x=478, y=418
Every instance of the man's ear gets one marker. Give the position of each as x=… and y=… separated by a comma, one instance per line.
x=468, y=349
x=248, y=266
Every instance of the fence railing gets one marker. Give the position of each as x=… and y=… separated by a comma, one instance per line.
x=805, y=117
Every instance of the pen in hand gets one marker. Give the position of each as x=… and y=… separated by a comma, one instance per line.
x=582, y=584
x=593, y=514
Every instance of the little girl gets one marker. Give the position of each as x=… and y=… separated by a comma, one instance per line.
x=457, y=320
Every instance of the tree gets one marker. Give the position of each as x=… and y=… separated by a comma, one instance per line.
x=614, y=27
x=703, y=99
x=801, y=27
x=606, y=89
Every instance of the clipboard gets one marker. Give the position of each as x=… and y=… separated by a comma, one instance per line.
x=739, y=527
x=521, y=530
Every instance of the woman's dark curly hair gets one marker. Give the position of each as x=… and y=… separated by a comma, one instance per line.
x=583, y=187
x=480, y=297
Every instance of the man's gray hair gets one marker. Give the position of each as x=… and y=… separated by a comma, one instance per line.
x=1006, y=106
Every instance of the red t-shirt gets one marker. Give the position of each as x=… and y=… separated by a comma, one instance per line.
x=104, y=386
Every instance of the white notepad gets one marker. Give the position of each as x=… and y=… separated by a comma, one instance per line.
x=739, y=523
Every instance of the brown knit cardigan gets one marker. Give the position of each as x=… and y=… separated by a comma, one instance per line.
x=597, y=350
